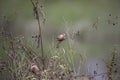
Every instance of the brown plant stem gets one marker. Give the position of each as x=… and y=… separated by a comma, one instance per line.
x=39, y=42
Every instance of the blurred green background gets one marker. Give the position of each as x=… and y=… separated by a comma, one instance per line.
x=98, y=23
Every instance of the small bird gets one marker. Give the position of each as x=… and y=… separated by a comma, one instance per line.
x=60, y=38
x=34, y=68
x=84, y=78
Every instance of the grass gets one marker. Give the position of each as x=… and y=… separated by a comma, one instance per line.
x=17, y=55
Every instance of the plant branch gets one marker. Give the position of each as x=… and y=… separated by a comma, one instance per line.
x=36, y=11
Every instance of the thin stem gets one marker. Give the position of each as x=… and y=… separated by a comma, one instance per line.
x=40, y=42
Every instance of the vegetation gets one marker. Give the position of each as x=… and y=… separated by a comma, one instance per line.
x=23, y=60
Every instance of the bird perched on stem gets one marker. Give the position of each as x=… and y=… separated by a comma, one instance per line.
x=60, y=38
x=34, y=68
x=84, y=78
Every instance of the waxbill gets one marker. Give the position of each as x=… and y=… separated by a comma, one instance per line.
x=60, y=38
x=34, y=68
x=84, y=78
